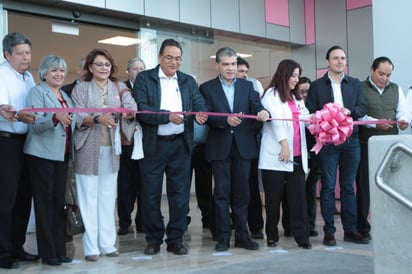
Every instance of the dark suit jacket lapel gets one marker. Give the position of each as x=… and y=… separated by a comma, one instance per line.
x=238, y=96
x=221, y=94
x=184, y=94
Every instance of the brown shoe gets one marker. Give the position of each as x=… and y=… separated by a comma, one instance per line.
x=355, y=237
x=329, y=239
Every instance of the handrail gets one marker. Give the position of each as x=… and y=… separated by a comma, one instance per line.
x=391, y=163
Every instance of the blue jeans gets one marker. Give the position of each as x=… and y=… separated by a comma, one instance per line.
x=345, y=156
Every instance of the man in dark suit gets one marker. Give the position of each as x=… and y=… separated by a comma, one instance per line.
x=167, y=144
x=255, y=218
x=230, y=146
x=128, y=179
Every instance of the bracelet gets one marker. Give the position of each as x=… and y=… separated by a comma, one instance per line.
x=96, y=119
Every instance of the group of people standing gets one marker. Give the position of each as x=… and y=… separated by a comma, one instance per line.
x=234, y=147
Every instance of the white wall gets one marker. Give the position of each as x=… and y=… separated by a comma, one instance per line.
x=392, y=37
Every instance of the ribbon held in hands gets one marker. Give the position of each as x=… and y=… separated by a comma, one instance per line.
x=330, y=126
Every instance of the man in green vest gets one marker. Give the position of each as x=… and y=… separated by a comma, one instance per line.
x=385, y=100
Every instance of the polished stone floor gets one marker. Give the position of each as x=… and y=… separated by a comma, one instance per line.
x=285, y=258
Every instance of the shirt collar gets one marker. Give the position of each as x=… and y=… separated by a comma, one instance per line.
x=341, y=78
x=224, y=83
x=374, y=85
x=163, y=75
x=24, y=75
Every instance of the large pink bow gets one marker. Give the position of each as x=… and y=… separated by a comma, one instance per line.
x=330, y=126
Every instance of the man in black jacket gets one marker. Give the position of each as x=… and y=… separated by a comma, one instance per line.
x=167, y=144
x=128, y=179
x=337, y=87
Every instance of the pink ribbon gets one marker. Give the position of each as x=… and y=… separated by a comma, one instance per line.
x=329, y=125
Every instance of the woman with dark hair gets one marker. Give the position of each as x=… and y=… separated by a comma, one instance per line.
x=96, y=159
x=47, y=149
x=283, y=154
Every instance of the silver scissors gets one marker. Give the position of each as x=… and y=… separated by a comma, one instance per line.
x=289, y=161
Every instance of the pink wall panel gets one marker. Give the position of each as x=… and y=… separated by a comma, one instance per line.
x=277, y=12
x=354, y=4
x=310, y=21
x=321, y=72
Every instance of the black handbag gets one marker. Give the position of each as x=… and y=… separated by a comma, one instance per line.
x=74, y=221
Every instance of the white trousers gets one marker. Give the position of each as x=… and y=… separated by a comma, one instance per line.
x=97, y=198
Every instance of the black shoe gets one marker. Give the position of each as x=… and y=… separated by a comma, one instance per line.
x=65, y=259
x=271, y=243
x=23, y=256
x=313, y=233
x=247, y=244
x=177, y=248
x=51, y=261
x=257, y=234
x=123, y=231
x=222, y=245
x=355, y=237
x=329, y=239
x=9, y=263
x=366, y=235
x=303, y=242
x=152, y=249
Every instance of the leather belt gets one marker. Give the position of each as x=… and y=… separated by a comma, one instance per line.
x=169, y=137
x=11, y=135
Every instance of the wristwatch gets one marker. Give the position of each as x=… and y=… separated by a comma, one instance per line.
x=96, y=119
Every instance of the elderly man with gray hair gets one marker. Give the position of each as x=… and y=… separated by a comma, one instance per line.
x=15, y=194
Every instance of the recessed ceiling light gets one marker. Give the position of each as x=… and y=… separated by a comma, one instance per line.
x=69, y=28
x=120, y=41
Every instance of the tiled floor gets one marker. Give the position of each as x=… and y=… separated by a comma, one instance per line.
x=286, y=258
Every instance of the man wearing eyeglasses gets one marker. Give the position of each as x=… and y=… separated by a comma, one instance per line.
x=167, y=144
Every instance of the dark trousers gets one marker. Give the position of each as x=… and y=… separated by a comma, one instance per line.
x=203, y=183
x=48, y=179
x=255, y=218
x=311, y=183
x=231, y=182
x=345, y=156
x=274, y=183
x=129, y=189
x=15, y=196
x=285, y=211
x=171, y=157
x=362, y=191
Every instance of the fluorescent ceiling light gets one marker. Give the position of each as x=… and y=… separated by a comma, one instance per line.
x=120, y=41
x=243, y=55
x=69, y=28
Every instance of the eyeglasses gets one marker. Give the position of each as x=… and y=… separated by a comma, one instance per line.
x=169, y=58
x=99, y=65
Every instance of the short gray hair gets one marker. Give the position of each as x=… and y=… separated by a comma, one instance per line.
x=49, y=62
x=13, y=39
x=134, y=59
x=225, y=52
